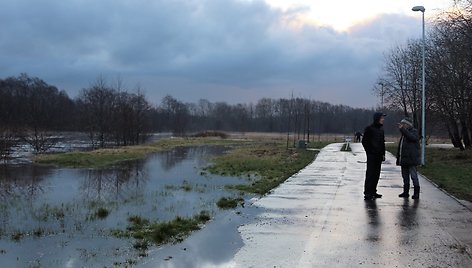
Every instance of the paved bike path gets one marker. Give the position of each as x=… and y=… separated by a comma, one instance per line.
x=318, y=218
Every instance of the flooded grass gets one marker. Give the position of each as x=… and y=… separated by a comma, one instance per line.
x=17, y=236
x=109, y=157
x=148, y=232
x=101, y=213
x=186, y=187
x=450, y=169
x=172, y=182
x=38, y=232
x=230, y=203
x=271, y=162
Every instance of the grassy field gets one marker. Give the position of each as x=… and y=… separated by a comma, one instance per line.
x=450, y=169
x=112, y=156
x=271, y=162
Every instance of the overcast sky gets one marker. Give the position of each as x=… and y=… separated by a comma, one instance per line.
x=220, y=50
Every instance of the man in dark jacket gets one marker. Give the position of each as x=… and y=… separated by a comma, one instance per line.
x=374, y=144
x=408, y=157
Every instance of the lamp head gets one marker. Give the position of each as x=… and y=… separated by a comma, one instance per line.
x=418, y=8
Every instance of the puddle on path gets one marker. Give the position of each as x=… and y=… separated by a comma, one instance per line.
x=48, y=216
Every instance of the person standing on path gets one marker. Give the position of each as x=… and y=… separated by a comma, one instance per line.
x=408, y=157
x=373, y=142
x=357, y=136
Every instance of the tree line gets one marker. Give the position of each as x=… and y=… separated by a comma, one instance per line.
x=448, y=61
x=33, y=111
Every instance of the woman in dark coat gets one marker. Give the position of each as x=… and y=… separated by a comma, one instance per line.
x=408, y=157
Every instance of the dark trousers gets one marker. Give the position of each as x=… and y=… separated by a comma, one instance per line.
x=372, y=174
x=410, y=171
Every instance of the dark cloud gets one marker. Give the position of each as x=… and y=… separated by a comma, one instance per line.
x=234, y=51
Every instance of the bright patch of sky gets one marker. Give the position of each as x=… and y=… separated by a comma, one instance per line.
x=343, y=14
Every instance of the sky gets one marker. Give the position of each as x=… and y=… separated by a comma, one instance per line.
x=235, y=51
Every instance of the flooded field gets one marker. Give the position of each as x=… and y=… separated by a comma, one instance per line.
x=52, y=217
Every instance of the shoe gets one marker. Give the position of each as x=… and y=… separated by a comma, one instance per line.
x=406, y=189
x=416, y=194
x=377, y=195
x=405, y=195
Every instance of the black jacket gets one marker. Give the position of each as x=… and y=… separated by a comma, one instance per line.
x=408, y=153
x=373, y=139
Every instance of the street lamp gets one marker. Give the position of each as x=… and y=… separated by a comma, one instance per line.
x=423, y=130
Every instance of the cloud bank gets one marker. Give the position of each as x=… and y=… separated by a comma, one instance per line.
x=232, y=50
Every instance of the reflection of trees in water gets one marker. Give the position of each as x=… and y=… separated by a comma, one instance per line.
x=169, y=159
x=129, y=179
x=21, y=188
x=22, y=182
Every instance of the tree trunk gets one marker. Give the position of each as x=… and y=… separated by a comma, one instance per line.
x=465, y=135
x=453, y=131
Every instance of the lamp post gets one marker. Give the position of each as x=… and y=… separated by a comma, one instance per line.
x=423, y=130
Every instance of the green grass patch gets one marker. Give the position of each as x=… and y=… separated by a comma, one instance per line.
x=271, y=162
x=101, y=213
x=17, y=236
x=153, y=232
x=450, y=169
x=112, y=156
x=229, y=203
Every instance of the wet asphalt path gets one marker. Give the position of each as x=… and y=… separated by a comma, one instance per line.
x=318, y=218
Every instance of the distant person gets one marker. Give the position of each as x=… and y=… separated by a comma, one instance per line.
x=357, y=136
x=373, y=142
x=408, y=157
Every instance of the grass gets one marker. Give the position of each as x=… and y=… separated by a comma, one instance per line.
x=228, y=203
x=450, y=169
x=112, y=156
x=271, y=162
x=148, y=232
x=38, y=232
x=101, y=213
x=17, y=235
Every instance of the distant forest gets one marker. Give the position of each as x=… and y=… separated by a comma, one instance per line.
x=32, y=109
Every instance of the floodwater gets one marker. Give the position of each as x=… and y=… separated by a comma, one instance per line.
x=48, y=215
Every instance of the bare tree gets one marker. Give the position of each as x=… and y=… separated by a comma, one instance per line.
x=96, y=109
x=177, y=114
x=450, y=75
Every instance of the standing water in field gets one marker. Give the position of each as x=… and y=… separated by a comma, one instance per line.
x=51, y=217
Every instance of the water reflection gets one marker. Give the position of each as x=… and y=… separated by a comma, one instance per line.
x=169, y=159
x=374, y=221
x=407, y=217
x=114, y=184
x=22, y=182
x=408, y=221
x=50, y=208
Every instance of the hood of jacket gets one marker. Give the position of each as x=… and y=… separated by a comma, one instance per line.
x=377, y=117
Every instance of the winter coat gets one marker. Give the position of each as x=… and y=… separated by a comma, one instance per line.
x=373, y=139
x=408, y=153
